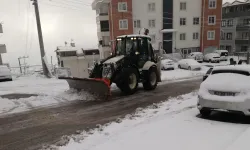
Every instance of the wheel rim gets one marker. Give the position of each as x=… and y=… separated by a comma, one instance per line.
x=152, y=78
x=132, y=81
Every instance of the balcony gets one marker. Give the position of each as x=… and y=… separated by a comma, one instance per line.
x=242, y=27
x=96, y=3
x=235, y=14
x=241, y=41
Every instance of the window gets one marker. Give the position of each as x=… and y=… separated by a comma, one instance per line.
x=244, y=35
x=104, y=26
x=151, y=23
x=243, y=48
x=183, y=36
x=183, y=5
x=229, y=36
x=195, y=36
x=222, y=47
x=123, y=24
x=230, y=23
x=211, y=20
x=151, y=7
x=137, y=23
x=182, y=21
x=223, y=35
x=212, y=4
x=224, y=23
x=196, y=20
x=210, y=35
x=122, y=6
x=152, y=38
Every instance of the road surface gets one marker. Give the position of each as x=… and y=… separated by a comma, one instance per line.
x=33, y=129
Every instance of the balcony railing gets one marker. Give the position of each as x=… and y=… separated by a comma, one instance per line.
x=242, y=27
x=241, y=41
x=235, y=14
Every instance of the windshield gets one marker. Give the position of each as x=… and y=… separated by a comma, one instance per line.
x=231, y=71
x=124, y=46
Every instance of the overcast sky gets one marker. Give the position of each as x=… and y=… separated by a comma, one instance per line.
x=62, y=20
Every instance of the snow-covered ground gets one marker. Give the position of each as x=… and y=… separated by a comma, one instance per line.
x=53, y=91
x=169, y=125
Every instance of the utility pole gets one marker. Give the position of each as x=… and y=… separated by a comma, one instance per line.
x=40, y=37
x=20, y=65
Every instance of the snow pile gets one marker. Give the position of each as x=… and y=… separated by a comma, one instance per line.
x=170, y=125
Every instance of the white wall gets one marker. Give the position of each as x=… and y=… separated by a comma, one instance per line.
x=193, y=10
x=140, y=12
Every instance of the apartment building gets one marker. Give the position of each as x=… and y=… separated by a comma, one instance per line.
x=174, y=25
x=235, y=26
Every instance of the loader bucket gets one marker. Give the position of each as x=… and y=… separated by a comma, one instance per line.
x=98, y=88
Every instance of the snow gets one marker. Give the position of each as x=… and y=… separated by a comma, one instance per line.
x=49, y=92
x=170, y=125
x=178, y=74
x=190, y=62
x=243, y=67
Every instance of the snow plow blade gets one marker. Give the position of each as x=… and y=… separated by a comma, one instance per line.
x=98, y=88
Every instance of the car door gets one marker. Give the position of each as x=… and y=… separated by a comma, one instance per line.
x=184, y=64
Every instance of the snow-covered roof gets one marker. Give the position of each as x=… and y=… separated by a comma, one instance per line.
x=234, y=67
x=236, y=2
x=67, y=48
x=133, y=35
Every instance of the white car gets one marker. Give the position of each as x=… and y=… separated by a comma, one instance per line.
x=5, y=74
x=223, y=54
x=198, y=56
x=189, y=64
x=167, y=64
x=227, y=88
x=212, y=57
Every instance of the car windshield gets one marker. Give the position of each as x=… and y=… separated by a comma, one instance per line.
x=209, y=71
x=224, y=54
x=231, y=71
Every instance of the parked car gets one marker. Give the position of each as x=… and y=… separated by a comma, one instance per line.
x=212, y=57
x=227, y=88
x=223, y=54
x=167, y=64
x=5, y=74
x=207, y=73
x=189, y=64
x=198, y=56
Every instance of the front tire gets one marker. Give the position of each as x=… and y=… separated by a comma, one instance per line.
x=150, y=79
x=129, y=83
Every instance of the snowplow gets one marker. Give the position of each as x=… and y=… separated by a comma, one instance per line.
x=133, y=61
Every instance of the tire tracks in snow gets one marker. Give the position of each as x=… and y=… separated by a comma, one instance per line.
x=30, y=130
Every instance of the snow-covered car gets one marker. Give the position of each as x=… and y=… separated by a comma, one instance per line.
x=207, y=73
x=223, y=54
x=227, y=88
x=212, y=57
x=5, y=74
x=167, y=64
x=189, y=64
x=198, y=56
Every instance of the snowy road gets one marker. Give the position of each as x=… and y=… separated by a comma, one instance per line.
x=47, y=125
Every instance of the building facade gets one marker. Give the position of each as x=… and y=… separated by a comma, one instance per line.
x=2, y=47
x=174, y=25
x=235, y=26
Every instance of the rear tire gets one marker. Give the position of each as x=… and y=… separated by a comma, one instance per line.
x=205, y=112
x=129, y=83
x=150, y=78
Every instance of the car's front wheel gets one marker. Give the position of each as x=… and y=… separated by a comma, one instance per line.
x=150, y=79
x=205, y=112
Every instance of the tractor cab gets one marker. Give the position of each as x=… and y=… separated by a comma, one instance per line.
x=137, y=48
